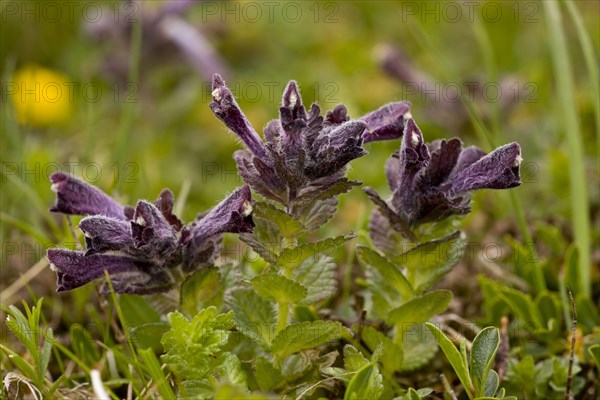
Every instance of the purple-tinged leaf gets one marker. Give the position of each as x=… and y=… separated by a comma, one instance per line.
x=234, y=215
x=387, y=122
x=165, y=204
x=227, y=110
x=74, y=269
x=105, y=234
x=497, y=170
x=152, y=232
x=76, y=197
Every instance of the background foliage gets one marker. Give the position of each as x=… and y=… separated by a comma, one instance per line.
x=151, y=128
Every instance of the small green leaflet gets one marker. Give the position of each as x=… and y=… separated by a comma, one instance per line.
x=483, y=352
x=292, y=257
x=305, y=335
x=278, y=288
x=287, y=224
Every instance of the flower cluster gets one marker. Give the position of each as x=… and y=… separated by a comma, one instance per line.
x=433, y=181
x=139, y=247
x=302, y=151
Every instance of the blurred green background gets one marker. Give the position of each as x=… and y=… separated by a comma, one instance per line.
x=138, y=119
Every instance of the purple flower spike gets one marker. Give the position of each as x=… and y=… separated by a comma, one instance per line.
x=292, y=113
x=141, y=249
x=105, y=234
x=413, y=157
x=76, y=197
x=331, y=152
x=432, y=181
x=74, y=269
x=233, y=215
x=305, y=151
x=497, y=170
x=152, y=232
x=385, y=123
x=227, y=110
x=165, y=203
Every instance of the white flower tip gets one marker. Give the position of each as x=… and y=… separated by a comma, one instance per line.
x=293, y=99
x=140, y=221
x=216, y=94
x=407, y=115
x=414, y=139
x=54, y=187
x=518, y=160
x=246, y=208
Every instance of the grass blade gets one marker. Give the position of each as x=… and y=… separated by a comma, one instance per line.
x=569, y=122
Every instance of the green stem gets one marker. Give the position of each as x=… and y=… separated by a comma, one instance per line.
x=569, y=123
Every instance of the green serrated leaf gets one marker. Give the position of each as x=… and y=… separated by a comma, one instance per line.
x=388, y=270
x=202, y=289
x=418, y=348
x=268, y=250
x=353, y=359
x=318, y=277
x=483, y=352
x=255, y=317
x=454, y=357
x=523, y=375
x=316, y=214
x=305, y=335
x=367, y=383
x=336, y=188
x=339, y=373
x=278, y=288
x=266, y=375
x=229, y=367
x=292, y=257
x=192, y=346
x=393, y=355
x=428, y=262
x=287, y=224
x=419, y=310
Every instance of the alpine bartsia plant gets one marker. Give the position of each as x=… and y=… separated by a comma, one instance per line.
x=278, y=326
x=139, y=247
x=302, y=162
x=432, y=181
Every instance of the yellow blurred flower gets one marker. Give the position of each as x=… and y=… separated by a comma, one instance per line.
x=41, y=97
